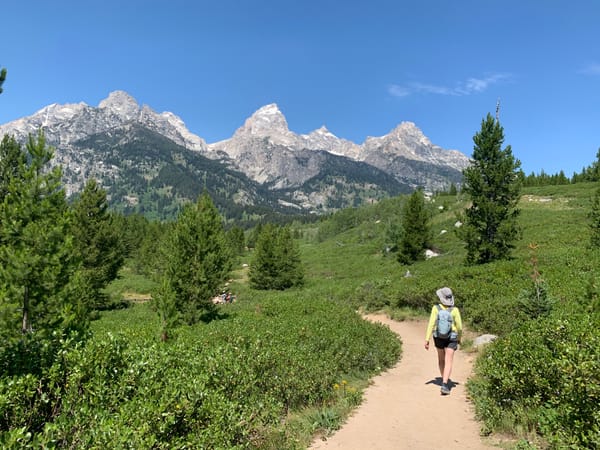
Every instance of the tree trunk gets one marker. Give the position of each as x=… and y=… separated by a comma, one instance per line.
x=26, y=326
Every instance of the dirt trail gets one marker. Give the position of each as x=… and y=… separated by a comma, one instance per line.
x=399, y=409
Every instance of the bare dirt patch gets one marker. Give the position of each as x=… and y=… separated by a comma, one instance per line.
x=136, y=298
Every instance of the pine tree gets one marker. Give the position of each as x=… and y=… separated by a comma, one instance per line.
x=96, y=243
x=236, y=239
x=535, y=301
x=197, y=259
x=165, y=305
x=594, y=169
x=2, y=78
x=36, y=257
x=276, y=262
x=415, y=233
x=12, y=160
x=594, y=216
x=493, y=183
x=291, y=271
x=264, y=265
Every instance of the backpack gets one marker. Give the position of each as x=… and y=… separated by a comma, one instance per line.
x=444, y=322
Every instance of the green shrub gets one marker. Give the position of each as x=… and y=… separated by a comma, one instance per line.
x=227, y=384
x=544, y=375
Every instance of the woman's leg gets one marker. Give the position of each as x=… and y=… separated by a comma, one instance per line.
x=441, y=360
x=447, y=366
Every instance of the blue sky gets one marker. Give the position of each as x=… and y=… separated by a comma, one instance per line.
x=358, y=67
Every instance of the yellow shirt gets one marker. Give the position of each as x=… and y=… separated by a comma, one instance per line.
x=456, y=321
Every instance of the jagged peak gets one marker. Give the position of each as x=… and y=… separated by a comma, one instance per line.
x=323, y=131
x=266, y=119
x=268, y=110
x=121, y=103
x=407, y=125
x=117, y=98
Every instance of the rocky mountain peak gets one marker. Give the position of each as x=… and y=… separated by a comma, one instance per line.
x=265, y=121
x=121, y=104
x=409, y=131
x=323, y=131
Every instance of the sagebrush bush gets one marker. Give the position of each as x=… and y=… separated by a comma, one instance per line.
x=227, y=384
x=545, y=373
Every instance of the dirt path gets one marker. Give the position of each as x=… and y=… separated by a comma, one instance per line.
x=399, y=409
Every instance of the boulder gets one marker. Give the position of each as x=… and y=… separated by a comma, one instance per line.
x=483, y=340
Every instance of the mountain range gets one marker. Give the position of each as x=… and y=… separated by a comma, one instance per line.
x=150, y=163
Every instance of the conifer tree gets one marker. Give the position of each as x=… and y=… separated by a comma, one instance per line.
x=2, y=78
x=165, y=305
x=197, y=259
x=36, y=257
x=96, y=243
x=236, y=239
x=276, y=263
x=415, y=233
x=12, y=160
x=493, y=183
x=291, y=270
x=594, y=216
x=263, y=267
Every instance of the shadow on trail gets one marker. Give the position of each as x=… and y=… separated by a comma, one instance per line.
x=438, y=382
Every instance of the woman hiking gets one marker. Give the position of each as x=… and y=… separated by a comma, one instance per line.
x=446, y=326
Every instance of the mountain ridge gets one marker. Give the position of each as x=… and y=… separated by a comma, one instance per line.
x=292, y=168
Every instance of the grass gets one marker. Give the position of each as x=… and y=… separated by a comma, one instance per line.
x=130, y=286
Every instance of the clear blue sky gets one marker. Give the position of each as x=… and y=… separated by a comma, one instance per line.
x=358, y=67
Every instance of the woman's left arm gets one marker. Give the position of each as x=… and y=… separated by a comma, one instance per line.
x=457, y=321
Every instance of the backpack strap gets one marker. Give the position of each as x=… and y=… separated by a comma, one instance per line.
x=449, y=308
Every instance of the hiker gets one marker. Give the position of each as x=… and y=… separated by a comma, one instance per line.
x=446, y=326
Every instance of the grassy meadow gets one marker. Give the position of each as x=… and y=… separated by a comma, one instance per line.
x=277, y=368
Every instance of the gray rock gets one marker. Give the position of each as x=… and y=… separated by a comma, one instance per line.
x=483, y=340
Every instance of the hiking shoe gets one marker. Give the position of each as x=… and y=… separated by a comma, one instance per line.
x=445, y=389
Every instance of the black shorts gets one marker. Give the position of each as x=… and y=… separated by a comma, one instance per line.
x=447, y=342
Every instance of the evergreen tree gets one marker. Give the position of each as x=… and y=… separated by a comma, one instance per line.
x=263, y=267
x=96, y=243
x=594, y=170
x=197, y=259
x=2, y=78
x=165, y=305
x=12, y=160
x=143, y=258
x=36, y=257
x=594, y=216
x=254, y=234
x=276, y=263
x=291, y=271
x=236, y=239
x=535, y=301
x=415, y=232
x=493, y=183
